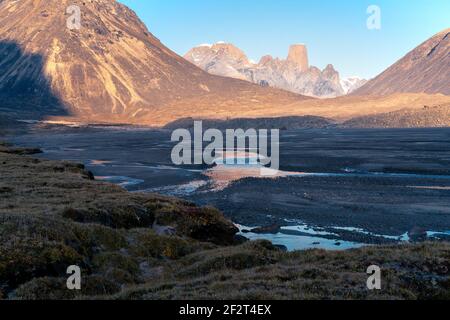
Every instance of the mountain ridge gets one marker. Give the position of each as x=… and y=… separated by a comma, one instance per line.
x=425, y=69
x=292, y=74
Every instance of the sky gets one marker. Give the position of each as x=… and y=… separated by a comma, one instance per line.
x=334, y=31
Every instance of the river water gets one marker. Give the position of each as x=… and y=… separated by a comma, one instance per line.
x=311, y=197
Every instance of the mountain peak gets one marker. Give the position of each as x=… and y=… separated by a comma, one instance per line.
x=298, y=54
x=227, y=57
x=330, y=72
x=230, y=49
x=265, y=59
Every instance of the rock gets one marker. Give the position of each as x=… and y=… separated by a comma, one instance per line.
x=273, y=229
x=88, y=175
x=264, y=83
x=149, y=272
x=418, y=234
x=204, y=224
x=238, y=239
x=118, y=217
x=21, y=151
x=281, y=247
x=6, y=190
x=164, y=230
x=298, y=54
x=436, y=116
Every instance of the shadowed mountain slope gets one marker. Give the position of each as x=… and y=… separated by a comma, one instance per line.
x=26, y=93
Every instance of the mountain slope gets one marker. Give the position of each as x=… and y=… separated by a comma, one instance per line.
x=426, y=69
x=112, y=69
x=339, y=109
x=427, y=117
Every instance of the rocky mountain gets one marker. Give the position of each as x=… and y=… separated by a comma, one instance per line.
x=111, y=69
x=425, y=69
x=221, y=59
x=298, y=56
x=292, y=74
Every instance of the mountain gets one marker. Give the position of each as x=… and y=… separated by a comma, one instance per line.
x=351, y=84
x=425, y=69
x=298, y=55
x=220, y=59
x=112, y=69
x=292, y=74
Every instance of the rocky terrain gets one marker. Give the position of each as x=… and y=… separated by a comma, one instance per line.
x=435, y=116
x=112, y=69
x=427, y=117
x=292, y=74
x=424, y=69
x=282, y=123
x=144, y=246
x=339, y=109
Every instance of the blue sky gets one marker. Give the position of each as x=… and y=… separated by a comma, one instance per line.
x=334, y=31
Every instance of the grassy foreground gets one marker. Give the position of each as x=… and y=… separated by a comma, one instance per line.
x=143, y=246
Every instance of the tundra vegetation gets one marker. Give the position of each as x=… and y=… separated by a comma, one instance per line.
x=53, y=214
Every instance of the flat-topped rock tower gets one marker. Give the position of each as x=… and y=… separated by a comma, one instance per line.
x=298, y=54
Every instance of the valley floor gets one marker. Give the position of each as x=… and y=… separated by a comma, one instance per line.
x=143, y=246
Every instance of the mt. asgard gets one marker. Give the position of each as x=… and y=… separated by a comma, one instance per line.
x=112, y=69
x=293, y=74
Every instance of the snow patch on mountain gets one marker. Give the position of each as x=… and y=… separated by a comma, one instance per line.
x=351, y=84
